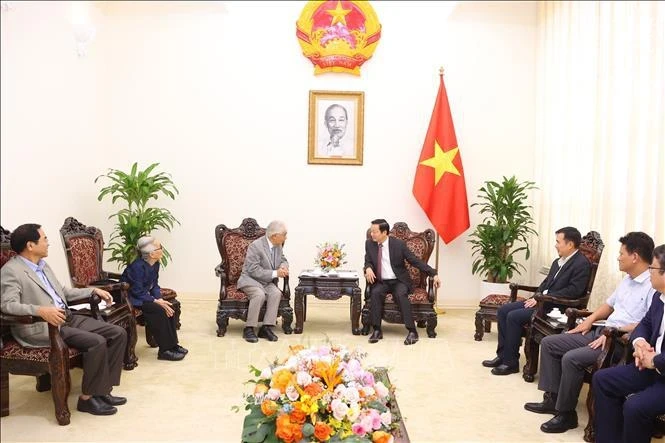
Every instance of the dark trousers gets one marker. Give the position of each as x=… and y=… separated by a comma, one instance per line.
x=163, y=328
x=103, y=347
x=400, y=294
x=511, y=318
x=621, y=419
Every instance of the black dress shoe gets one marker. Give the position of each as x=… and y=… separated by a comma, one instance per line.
x=496, y=361
x=249, y=335
x=547, y=406
x=561, y=422
x=170, y=355
x=505, y=370
x=112, y=399
x=95, y=406
x=376, y=336
x=411, y=338
x=266, y=332
x=180, y=349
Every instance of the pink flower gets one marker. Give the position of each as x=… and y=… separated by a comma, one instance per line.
x=359, y=429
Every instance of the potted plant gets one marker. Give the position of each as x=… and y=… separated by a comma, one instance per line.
x=505, y=229
x=137, y=218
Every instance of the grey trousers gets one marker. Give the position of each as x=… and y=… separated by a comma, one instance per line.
x=103, y=346
x=563, y=358
x=257, y=296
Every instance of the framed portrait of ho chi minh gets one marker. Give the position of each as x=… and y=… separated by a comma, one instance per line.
x=336, y=120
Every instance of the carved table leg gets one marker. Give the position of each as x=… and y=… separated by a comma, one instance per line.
x=365, y=320
x=299, y=303
x=355, y=311
x=478, y=336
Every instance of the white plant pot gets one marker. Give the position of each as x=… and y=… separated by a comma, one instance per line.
x=487, y=288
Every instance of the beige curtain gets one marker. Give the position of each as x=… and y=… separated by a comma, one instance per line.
x=600, y=152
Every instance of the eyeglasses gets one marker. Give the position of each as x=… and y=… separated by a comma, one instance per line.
x=653, y=268
x=158, y=249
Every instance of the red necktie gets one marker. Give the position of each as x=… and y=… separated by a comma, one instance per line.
x=378, y=266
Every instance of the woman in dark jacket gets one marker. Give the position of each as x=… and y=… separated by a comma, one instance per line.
x=144, y=293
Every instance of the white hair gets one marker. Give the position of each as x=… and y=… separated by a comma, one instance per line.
x=145, y=246
x=275, y=227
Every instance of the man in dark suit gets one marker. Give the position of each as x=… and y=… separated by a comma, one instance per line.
x=385, y=271
x=29, y=287
x=631, y=419
x=568, y=278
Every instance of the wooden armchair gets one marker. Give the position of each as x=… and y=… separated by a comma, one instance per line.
x=84, y=247
x=49, y=365
x=423, y=297
x=592, y=247
x=618, y=351
x=233, y=303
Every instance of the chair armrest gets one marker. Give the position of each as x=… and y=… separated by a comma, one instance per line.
x=514, y=287
x=431, y=293
x=112, y=275
x=616, y=338
x=573, y=314
x=11, y=319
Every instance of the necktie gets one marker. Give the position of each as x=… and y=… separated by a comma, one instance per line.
x=274, y=257
x=380, y=258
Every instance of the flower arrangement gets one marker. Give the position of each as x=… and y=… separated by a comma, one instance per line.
x=330, y=256
x=319, y=394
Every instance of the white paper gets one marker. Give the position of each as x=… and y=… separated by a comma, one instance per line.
x=102, y=306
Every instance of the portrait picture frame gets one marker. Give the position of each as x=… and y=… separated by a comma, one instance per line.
x=336, y=127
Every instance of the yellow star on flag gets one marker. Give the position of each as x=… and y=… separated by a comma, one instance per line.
x=442, y=162
x=338, y=14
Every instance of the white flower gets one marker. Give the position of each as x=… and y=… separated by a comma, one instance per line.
x=273, y=394
x=354, y=412
x=339, y=409
x=351, y=395
x=292, y=363
x=292, y=393
x=303, y=378
x=266, y=373
x=381, y=389
x=367, y=390
x=386, y=418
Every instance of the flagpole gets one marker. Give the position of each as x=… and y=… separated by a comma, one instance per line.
x=437, y=309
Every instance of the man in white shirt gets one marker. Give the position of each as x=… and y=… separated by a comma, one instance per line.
x=629, y=397
x=564, y=357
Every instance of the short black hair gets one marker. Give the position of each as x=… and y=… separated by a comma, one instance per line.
x=383, y=225
x=659, y=254
x=571, y=234
x=640, y=243
x=22, y=235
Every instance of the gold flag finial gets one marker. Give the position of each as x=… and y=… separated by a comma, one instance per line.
x=441, y=70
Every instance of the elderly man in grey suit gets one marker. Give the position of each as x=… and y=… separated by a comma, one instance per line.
x=29, y=287
x=264, y=263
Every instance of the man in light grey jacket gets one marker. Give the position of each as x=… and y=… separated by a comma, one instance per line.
x=264, y=263
x=29, y=287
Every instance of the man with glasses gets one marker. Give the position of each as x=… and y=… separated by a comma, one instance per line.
x=29, y=287
x=264, y=262
x=629, y=397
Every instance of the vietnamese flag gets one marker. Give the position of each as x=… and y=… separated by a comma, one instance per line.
x=439, y=182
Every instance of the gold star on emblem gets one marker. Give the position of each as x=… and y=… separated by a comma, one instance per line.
x=442, y=162
x=338, y=14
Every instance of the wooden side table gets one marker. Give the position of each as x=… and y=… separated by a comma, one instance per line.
x=327, y=287
x=539, y=329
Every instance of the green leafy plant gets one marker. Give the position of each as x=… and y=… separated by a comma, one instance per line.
x=137, y=219
x=504, y=231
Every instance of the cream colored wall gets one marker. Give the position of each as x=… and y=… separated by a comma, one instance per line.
x=219, y=96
